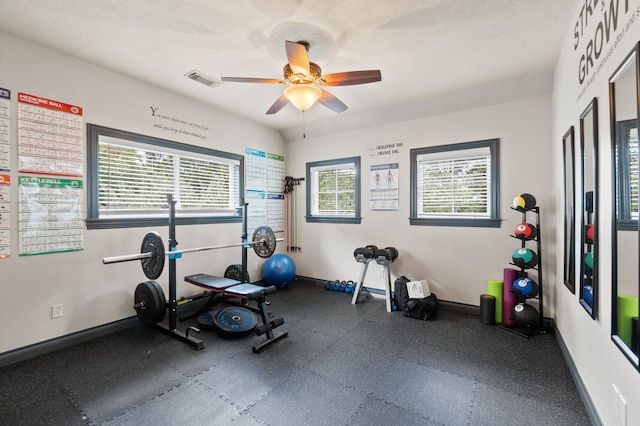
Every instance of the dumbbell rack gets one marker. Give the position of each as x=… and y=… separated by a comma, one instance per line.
x=382, y=258
x=363, y=273
x=538, y=328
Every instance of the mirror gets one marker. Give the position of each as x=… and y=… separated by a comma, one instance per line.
x=623, y=92
x=589, y=218
x=569, y=210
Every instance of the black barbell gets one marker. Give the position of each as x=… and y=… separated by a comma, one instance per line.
x=152, y=253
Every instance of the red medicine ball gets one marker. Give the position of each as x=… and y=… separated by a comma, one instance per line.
x=590, y=232
x=526, y=231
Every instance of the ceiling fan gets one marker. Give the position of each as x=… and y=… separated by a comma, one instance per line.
x=305, y=81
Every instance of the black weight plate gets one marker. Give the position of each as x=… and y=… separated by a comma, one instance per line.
x=205, y=321
x=152, y=266
x=264, y=241
x=235, y=321
x=234, y=272
x=149, y=301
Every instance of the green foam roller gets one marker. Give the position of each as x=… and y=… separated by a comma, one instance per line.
x=627, y=309
x=494, y=288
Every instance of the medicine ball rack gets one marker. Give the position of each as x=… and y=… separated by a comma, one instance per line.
x=382, y=257
x=537, y=327
x=149, y=300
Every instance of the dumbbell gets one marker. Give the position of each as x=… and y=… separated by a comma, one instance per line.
x=361, y=254
x=386, y=255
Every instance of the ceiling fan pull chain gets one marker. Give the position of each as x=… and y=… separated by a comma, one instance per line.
x=304, y=126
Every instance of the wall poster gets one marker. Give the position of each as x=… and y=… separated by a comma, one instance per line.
x=384, y=186
x=5, y=129
x=5, y=221
x=264, y=190
x=50, y=215
x=49, y=137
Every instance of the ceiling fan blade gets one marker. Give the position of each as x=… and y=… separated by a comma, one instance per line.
x=351, y=78
x=278, y=105
x=251, y=80
x=297, y=57
x=331, y=102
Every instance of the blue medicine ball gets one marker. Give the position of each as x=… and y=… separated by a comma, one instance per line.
x=279, y=270
x=587, y=294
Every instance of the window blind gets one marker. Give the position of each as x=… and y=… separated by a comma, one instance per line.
x=455, y=185
x=135, y=179
x=633, y=170
x=334, y=191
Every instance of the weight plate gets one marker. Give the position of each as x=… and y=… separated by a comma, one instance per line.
x=264, y=241
x=205, y=321
x=152, y=266
x=149, y=302
x=234, y=321
x=234, y=272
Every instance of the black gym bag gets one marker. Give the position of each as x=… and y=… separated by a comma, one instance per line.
x=424, y=309
x=400, y=292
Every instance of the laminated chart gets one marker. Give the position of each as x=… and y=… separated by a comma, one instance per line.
x=264, y=183
x=5, y=222
x=50, y=215
x=257, y=210
x=384, y=187
x=5, y=128
x=275, y=207
x=49, y=137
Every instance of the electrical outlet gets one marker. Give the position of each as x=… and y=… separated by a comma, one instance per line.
x=622, y=410
x=380, y=273
x=56, y=311
x=619, y=406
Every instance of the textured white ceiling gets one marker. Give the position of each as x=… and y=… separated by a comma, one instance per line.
x=434, y=50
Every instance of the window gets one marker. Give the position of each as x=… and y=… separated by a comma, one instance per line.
x=627, y=175
x=130, y=175
x=456, y=185
x=333, y=189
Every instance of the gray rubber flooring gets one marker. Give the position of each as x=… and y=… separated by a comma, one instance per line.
x=342, y=364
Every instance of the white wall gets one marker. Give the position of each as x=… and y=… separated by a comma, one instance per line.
x=92, y=293
x=456, y=261
x=598, y=360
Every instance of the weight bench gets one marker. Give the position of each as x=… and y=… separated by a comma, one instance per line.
x=223, y=289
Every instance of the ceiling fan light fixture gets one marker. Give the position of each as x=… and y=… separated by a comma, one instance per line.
x=303, y=96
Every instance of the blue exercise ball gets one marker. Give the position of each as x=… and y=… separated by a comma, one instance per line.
x=279, y=270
